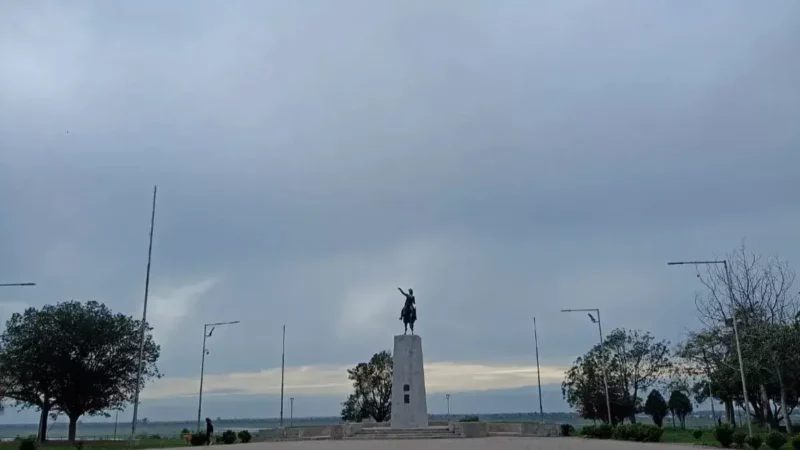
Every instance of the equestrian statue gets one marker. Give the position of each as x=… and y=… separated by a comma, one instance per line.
x=409, y=312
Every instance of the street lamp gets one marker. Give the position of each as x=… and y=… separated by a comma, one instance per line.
x=206, y=334
x=447, y=396
x=605, y=363
x=16, y=284
x=724, y=262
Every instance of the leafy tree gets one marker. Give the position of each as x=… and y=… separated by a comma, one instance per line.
x=372, y=385
x=27, y=372
x=656, y=407
x=584, y=390
x=90, y=354
x=635, y=362
x=680, y=405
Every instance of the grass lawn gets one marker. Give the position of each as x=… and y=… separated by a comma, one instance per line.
x=675, y=435
x=105, y=445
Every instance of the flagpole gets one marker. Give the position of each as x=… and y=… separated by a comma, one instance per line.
x=144, y=318
x=283, y=363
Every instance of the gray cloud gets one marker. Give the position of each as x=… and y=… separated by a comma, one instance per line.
x=505, y=160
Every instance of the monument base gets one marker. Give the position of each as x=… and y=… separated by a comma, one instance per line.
x=409, y=403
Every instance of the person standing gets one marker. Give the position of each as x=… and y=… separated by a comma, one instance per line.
x=209, y=430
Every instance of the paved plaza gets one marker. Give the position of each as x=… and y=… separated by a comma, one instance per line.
x=493, y=443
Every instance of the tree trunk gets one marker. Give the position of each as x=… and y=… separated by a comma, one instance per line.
x=42, y=435
x=765, y=406
x=73, y=427
x=784, y=409
x=673, y=419
x=730, y=413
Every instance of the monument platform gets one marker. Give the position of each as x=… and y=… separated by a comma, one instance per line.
x=409, y=403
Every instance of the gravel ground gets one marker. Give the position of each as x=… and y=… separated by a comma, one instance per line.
x=492, y=443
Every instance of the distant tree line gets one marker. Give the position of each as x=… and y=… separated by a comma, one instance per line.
x=759, y=296
x=73, y=359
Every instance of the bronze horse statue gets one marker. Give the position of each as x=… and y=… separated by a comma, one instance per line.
x=409, y=312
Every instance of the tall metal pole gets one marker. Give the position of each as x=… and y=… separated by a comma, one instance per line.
x=144, y=318
x=283, y=362
x=116, y=419
x=738, y=349
x=202, y=372
x=538, y=370
x=729, y=282
x=447, y=396
x=605, y=367
x=291, y=412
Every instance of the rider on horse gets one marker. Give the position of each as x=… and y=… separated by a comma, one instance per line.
x=409, y=312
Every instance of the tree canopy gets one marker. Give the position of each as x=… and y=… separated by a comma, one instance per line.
x=635, y=362
x=656, y=407
x=372, y=386
x=680, y=406
x=88, y=358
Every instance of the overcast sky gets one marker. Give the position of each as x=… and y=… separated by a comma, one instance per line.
x=505, y=159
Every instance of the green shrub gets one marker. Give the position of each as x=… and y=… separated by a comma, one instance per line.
x=589, y=431
x=604, y=431
x=27, y=444
x=697, y=434
x=775, y=440
x=739, y=438
x=621, y=432
x=156, y=437
x=796, y=442
x=755, y=441
x=470, y=419
x=228, y=437
x=567, y=429
x=654, y=433
x=245, y=436
x=197, y=439
x=185, y=431
x=78, y=445
x=724, y=435
x=638, y=432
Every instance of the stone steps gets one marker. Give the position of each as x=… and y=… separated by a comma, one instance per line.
x=411, y=433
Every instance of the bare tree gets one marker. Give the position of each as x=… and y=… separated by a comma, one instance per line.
x=758, y=295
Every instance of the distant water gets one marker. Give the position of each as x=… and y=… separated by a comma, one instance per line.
x=105, y=430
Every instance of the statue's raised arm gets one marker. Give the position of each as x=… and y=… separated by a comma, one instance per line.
x=401, y=291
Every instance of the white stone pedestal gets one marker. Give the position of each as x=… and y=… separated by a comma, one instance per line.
x=409, y=404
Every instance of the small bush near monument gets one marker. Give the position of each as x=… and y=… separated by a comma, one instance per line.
x=245, y=436
x=775, y=440
x=638, y=432
x=197, y=439
x=755, y=442
x=603, y=431
x=724, y=435
x=470, y=419
x=27, y=444
x=796, y=442
x=228, y=437
x=739, y=438
x=567, y=429
x=697, y=434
